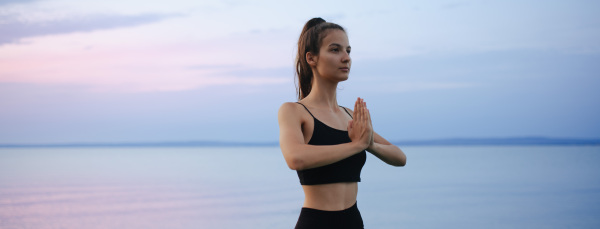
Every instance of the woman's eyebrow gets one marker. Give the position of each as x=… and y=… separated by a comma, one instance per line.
x=338, y=45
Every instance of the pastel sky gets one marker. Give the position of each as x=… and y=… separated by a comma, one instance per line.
x=143, y=71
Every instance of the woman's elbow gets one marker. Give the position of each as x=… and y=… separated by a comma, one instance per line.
x=401, y=162
x=291, y=159
x=295, y=163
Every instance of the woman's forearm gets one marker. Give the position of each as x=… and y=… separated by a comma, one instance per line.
x=304, y=156
x=388, y=153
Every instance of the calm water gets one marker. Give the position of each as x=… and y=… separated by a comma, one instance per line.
x=441, y=187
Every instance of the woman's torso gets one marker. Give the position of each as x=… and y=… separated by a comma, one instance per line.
x=330, y=196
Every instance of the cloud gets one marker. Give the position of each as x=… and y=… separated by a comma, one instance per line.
x=139, y=60
x=421, y=86
x=9, y=2
x=13, y=30
x=385, y=85
x=215, y=66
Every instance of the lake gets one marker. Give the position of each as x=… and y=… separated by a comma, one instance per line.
x=252, y=187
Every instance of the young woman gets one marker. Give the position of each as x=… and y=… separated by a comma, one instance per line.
x=324, y=142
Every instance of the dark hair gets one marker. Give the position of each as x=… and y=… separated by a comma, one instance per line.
x=310, y=41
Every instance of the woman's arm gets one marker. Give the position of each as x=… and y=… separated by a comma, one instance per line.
x=299, y=155
x=386, y=151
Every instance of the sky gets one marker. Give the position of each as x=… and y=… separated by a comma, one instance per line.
x=142, y=71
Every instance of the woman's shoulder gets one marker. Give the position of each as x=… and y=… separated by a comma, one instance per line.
x=290, y=112
x=289, y=105
x=289, y=108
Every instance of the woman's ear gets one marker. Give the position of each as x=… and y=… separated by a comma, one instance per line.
x=311, y=59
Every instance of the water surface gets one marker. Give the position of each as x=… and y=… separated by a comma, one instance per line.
x=237, y=187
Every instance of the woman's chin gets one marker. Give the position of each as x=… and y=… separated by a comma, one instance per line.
x=337, y=77
x=344, y=78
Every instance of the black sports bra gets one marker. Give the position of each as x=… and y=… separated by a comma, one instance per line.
x=345, y=170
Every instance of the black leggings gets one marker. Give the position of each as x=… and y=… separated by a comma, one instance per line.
x=316, y=219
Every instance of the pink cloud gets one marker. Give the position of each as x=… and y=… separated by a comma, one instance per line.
x=119, y=63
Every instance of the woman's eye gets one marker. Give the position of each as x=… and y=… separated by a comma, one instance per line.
x=335, y=50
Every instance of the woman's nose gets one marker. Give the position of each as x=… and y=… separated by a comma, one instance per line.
x=346, y=57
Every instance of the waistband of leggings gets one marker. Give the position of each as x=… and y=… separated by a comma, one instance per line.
x=352, y=208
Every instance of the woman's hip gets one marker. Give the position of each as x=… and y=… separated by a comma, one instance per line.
x=349, y=218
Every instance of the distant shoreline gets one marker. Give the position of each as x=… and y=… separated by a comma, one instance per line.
x=516, y=141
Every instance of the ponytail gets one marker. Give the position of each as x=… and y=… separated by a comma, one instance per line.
x=310, y=41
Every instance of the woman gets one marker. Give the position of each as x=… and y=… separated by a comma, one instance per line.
x=325, y=143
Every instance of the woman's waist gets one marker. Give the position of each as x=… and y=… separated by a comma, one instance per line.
x=330, y=197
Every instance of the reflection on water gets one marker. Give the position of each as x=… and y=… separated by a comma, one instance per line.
x=145, y=188
x=497, y=187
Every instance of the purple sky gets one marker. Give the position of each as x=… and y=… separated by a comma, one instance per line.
x=131, y=71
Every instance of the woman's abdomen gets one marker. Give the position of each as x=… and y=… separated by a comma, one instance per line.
x=330, y=197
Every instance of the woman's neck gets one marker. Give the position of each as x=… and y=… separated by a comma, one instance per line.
x=323, y=94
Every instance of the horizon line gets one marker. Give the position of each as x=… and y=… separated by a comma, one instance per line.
x=504, y=141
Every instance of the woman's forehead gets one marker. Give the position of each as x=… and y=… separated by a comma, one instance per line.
x=336, y=36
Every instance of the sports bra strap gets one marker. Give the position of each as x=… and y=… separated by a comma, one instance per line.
x=347, y=111
x=306, y=109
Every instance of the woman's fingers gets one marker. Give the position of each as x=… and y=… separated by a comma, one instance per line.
x=368, y=115
x=360, y=128
x=358, y=110
x=370, y=123
x=356, y=107
x=362, y=112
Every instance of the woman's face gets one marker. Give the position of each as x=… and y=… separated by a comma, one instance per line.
x=334, y=59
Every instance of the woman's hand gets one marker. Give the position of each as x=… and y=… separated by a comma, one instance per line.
x=372, y=142
x=360, y=129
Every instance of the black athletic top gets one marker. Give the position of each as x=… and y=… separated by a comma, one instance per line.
x=346, y=170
